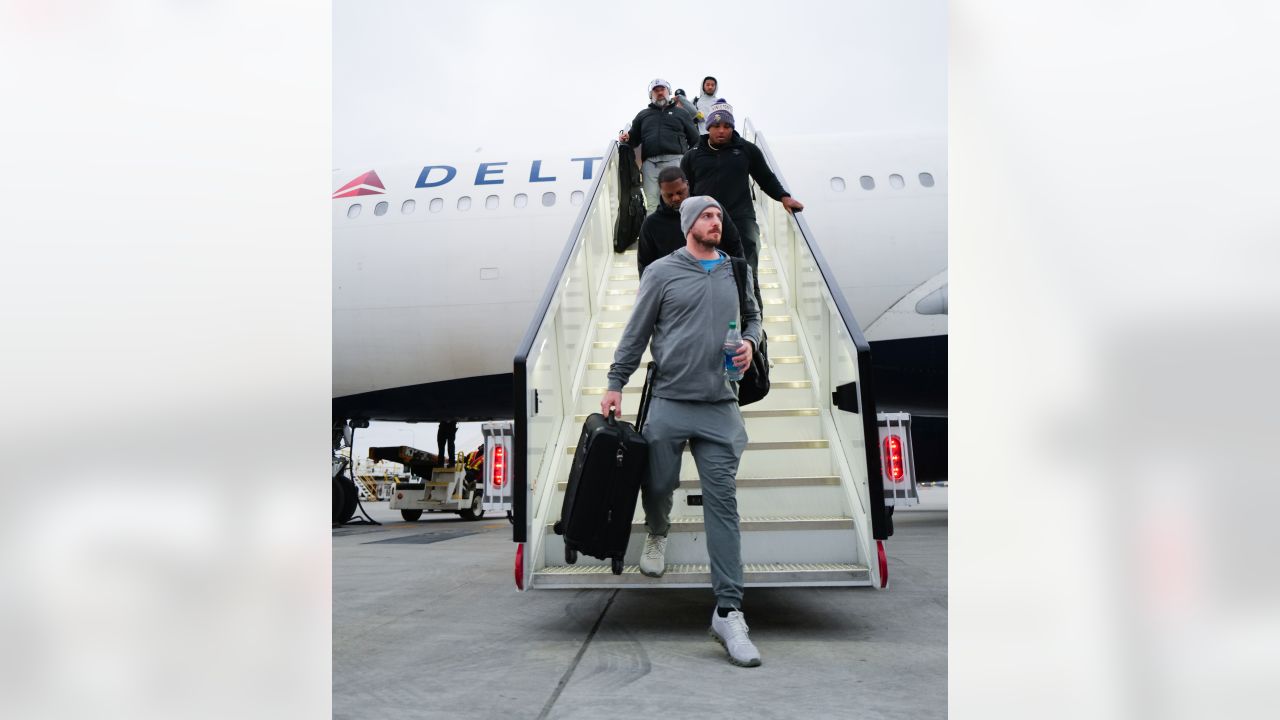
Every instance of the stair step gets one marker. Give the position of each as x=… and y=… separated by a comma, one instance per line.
x=776, y=360
x=746, y=482
x=628, y=390
x=761, y=425
x=634, y=276
x=597, y=374
x=782, y=384
x=779, y=445
x=613, y=344
x=687, y=543
x=746, y=414
x=620, y=324
x=602, y=351
x=623, y=277
x=626, y=293
x=699, y=575
x=784, y=394
x=694, y=524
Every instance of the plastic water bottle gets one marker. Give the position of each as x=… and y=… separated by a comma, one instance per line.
x=732, y=341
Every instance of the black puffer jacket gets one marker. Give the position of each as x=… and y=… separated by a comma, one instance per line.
x=722, y=173
x=660, y=236
x=663, y=131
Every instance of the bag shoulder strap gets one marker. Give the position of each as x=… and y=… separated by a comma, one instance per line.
x=740, y=279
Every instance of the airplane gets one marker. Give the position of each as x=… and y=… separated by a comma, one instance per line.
x=438, y=266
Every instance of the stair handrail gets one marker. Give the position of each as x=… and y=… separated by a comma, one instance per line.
x=543, y=314
x=864, y=390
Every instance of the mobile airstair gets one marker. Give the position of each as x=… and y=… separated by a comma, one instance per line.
x=810, y=491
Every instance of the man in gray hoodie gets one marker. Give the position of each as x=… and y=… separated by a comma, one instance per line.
x=685, y=303
x=708, y=96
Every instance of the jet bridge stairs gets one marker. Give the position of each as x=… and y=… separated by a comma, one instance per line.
x=810, y=497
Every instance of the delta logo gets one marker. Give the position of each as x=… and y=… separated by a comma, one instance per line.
x=367, y=184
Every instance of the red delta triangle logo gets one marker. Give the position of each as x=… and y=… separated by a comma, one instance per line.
x=366, y=184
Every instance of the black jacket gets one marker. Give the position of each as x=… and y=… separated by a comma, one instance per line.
x=722, y=173
x=663, y=131
x=660, y=236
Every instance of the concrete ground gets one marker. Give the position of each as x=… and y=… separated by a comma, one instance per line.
x=427, y=623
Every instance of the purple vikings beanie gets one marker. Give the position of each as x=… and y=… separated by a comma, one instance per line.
x=721, y=112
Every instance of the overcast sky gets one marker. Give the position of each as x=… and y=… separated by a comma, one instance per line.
x=415, y=80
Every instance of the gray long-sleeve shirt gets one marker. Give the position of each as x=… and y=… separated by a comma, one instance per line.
x=686, y=311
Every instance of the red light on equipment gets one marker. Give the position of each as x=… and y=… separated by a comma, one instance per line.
x=519, y=568
x=893, y=467
x=499, y=466
x=884, y=564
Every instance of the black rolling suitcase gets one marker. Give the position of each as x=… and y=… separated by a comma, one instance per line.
x=604, y=484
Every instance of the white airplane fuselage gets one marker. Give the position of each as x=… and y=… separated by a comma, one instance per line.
x=433, y=290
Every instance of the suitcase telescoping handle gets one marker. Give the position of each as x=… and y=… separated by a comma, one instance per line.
x=646, y=395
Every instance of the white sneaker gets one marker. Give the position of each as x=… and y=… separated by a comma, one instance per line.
x=731, y=632
x=653, y=558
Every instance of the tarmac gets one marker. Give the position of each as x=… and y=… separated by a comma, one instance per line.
x=427, y=623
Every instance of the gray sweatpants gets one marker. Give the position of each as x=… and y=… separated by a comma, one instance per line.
x=650, y=170
x=716, y=436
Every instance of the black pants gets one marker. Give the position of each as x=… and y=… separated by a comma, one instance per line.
x=445, y=435
x=749, y=231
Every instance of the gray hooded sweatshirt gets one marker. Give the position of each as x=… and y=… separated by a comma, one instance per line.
x=702, y=104
x=686, y=310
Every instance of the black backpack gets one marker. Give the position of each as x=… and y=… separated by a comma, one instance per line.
x=755, y=379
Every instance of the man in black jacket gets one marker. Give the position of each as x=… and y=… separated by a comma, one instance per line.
x=664, y=133
x=660, y=235
x=721, y=166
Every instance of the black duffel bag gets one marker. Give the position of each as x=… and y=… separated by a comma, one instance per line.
x=631, y=210
x=754, y=384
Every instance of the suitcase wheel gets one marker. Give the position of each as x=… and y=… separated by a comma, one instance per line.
x=570, y=555
x=617, y=566
x=558, y=527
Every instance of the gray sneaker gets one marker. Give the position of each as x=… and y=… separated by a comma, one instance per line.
x=731, y=632
x=653, y=557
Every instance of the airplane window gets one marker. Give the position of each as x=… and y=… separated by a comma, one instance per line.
x=354, y=211
x=464, y=202
x=521, y=200
x=895, y=181
x=548, y=199
x=926, y=179
x=408, y=206
x=380, y=209
x=837, y=184
x=868, y=183
x=437, y=204
x=576, y=197
x=491, y=202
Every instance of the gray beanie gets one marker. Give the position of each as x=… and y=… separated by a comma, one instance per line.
x=692, y=207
